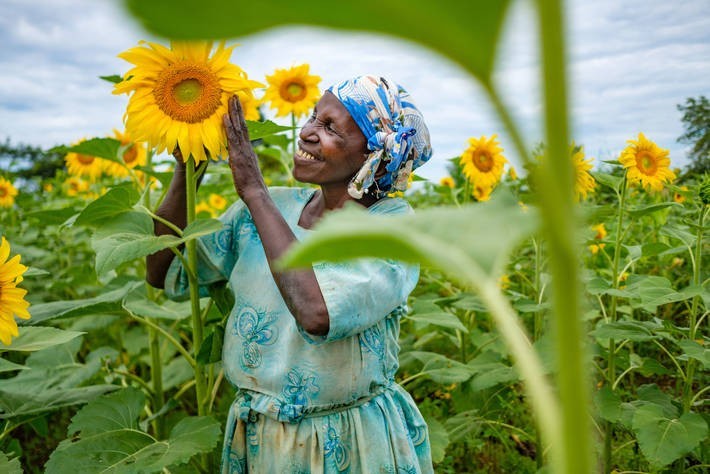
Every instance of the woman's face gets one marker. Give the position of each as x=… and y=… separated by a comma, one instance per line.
x=332, y=148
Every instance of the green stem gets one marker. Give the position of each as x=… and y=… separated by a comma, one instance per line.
x=190, y=360
x=690, y=368
x=611, y=362
x=573, y=454
x=196, y=316
x=537, y=332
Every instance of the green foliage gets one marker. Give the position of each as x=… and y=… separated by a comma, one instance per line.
x=470, y=40
x=38, y=338
x=109, y=439
x=696, y=121
x=9, y=466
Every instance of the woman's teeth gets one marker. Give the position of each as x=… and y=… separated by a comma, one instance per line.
x=305, y=154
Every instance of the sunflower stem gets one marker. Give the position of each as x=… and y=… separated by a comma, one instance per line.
x=573, y=453
x=196, y=317
x=611, y=362
x=693, y=316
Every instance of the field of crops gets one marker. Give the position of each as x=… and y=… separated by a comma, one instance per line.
x=559, y=323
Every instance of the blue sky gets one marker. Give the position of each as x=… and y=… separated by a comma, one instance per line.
x=631, y=62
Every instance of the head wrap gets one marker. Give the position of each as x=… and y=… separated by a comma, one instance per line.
x=395, y=131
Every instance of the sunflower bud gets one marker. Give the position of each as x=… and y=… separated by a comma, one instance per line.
x=704, y=191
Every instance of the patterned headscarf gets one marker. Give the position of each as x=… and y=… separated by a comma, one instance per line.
x=395, y=132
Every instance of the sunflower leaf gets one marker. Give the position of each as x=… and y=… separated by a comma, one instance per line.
x=467, y=243
x=259, y=130
x=116, y=201
x=113, y=78
x=37, y=338
x=9, y=466
x=470, y=40
x=106, y=148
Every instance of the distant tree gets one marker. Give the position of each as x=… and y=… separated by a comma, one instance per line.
x=27, y=161
x=696, y=121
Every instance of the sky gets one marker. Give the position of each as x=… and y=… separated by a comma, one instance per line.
x=631, y=62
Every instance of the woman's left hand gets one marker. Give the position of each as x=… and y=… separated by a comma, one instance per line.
x=246, y=174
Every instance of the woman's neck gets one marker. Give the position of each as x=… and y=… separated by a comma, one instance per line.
x=325, y=200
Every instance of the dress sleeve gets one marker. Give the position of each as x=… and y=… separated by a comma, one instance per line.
x=360, y=293
x=216, y=255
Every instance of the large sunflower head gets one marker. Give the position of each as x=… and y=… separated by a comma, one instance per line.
x=134, y=154
x=79, y=164
x=7, y=193
x=646, y=163
x=482, y=162
x=583, y=181
x=179, y=95
x=12, y=299
x=292, y=90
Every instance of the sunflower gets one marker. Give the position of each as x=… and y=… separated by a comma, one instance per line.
x=512, y=173
x=250, y=105
x=203, y=207
x=646, y=163
x=12, y=299
x=292, y=90
x=79, y=164
x=679, y=196
x=134, y=154
x=447, y=181
x=217, y=202
x=482, y=162
x=7, y=193
x=179, y=95
x=583, y=181
x=482, y=193
x=73, y=186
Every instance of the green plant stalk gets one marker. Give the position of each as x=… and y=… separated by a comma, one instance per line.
x=156, y=363
x=573, y=455
x=196, y=316
x=611, y=356
x=693, y=316
x=537, y=333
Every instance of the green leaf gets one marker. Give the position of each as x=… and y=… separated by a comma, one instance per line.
x=107, y=302
x=109, y=413
x=644, y=210
x=608, y=404
x=438, y=438
x=130, y=236
x=106, y=148
x=136, y=302
x=440, y=318
x=469, y=39
x=116, y=201
x=259, y=130
x=614, y=182
x=650, y=393
x=468, y=243
x=9, y=466
x=441, y=369
x=632, y=330
x=113, y=78
x=7, y=366
x=37, y=338
x=663, y=439
x=491, y=375
x=211, y=347
x=110, y=439
x=35, y=272
x=695, y=351
x=53, y=216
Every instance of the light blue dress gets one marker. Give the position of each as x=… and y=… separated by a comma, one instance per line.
x=312, y=404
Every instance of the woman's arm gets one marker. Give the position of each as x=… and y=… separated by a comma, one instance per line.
x=299, y=288
x=173, y=209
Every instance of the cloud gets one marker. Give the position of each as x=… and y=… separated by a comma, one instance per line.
x=630, y=64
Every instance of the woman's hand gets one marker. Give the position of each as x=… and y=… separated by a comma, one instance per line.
x=246, y=174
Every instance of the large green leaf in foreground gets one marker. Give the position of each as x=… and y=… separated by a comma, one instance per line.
x=110, y=441
x=467, y=32
x=467, y=243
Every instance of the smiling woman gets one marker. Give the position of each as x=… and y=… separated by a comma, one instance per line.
x=314, y=352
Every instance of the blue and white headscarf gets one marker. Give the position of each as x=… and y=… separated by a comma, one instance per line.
x=395, y=131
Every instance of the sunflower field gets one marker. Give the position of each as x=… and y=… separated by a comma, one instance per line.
x=560, y=323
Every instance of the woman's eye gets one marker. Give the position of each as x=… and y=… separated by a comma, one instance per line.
x=329, y=127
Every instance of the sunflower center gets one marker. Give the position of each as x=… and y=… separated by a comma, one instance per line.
x=130, y=155
x=483, y=161
x=293, y=91
x=187, y=92
x=85, y=159
x=3, y=192
x=646, y=163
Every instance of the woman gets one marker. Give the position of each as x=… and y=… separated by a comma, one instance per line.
x=314, y=352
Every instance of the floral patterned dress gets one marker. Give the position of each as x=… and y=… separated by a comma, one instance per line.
x=312, y=404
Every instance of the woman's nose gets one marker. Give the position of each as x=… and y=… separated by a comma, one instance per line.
x=307, y=133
